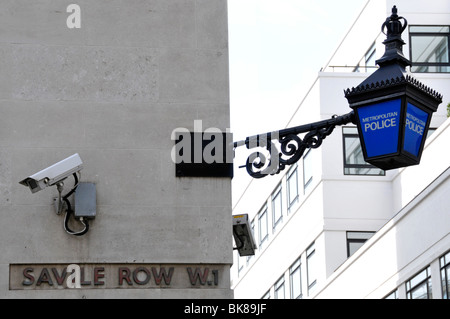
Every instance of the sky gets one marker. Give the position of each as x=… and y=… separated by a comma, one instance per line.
x=276, y=49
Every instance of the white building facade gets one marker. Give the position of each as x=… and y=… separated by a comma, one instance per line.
x=332, y=226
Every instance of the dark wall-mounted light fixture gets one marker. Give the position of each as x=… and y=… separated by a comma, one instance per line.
x=393, y=110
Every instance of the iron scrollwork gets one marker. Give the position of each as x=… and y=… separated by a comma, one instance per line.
x=271, y=161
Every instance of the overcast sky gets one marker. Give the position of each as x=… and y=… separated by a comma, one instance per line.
x=276, y=49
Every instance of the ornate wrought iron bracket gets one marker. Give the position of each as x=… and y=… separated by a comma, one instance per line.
x=260, y=165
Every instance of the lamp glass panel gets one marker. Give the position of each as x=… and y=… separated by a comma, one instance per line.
x=415, y=124
x=379, y=124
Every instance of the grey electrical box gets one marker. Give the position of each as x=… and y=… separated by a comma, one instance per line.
x=243, y=236
x=85, y=201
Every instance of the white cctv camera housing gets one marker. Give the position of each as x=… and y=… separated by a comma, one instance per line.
x=53, y=174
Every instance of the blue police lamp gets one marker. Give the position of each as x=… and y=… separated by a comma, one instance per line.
x=392, y=109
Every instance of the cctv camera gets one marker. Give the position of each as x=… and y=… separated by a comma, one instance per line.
x=243, y=235
x=53, y=174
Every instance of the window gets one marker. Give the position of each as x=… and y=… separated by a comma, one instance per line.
x=370, y=56
x=355, y=240
x=429, y=47
x=431, y=130
x=354, y=163
x=266, y=295
x=252, y=225
x=295, y=279
x=367, y=63
x=392, y=295
x=419, y=287
x=263, y=226
x=240, y=264
x=307, y=170
x=277, y=208
x=292, y=187
x=279, y=288
x=445, y=275
x=311, y=267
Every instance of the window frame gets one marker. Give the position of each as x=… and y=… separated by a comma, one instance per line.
x=370, y=56
x=295, y=268
x=426, y=65
x=292, y=178
x=307, y=168
x=262, y=212
x=426, y=281
x=240, y=264
x=357, y=240
x=366, y=166
x=392, y=295
x=279, y=285
x=369, y=60
x=444, y=266
x=277, y=196
x=252, y=229
x=311, y=262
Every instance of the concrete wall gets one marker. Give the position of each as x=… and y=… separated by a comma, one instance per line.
x=113, y=91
